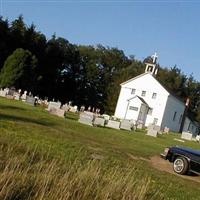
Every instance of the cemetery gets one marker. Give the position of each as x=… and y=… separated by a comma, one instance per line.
x=92, y=116
x=90, y=137
x=83, y=120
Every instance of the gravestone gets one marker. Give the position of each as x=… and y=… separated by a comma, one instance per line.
x=126, y=125
x=86, y=118
x=166, y=130
x=17, y=96
x=106, y=117
x=3, y=93
x=53, y=105
x=24, y=96
x=73, y=109
x=99, y=121
x=57, y=111
x=11, y=92
x=186, y=135
x=113, y=124
x=140, y=124
x=154, y=127
x=197, y=138
x=30, y=100
x=65, y=107
x=9, y=96
x=152, y=132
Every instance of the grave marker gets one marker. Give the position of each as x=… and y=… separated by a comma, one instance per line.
x=86, y=118
x=186, y=136
x=113, y=124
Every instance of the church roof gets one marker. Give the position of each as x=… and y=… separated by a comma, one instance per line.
x=136, y=77
x=170, y=92
x=140, y=98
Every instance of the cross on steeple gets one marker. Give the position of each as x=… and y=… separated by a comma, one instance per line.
x=155, y=56
x=151, y=65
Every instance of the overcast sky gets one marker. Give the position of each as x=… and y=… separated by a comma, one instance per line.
x=171, y=28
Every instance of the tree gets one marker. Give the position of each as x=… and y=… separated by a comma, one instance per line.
x=18, y=70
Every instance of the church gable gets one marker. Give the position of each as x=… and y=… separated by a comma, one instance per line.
x=145, y=82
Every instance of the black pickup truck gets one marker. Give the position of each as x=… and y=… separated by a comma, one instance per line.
x=184, y=159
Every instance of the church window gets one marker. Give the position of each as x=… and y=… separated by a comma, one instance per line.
x=150, y=111
x=133, y=108
x=143, y=93
x=155, y=121
x=174, y=117
x=154, y=95
x=133, y=91
x=180, y=119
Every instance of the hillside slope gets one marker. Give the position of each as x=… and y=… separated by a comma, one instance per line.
x=46, y=157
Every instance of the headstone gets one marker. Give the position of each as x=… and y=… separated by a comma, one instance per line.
x=113, y=124
x=140, y=126
x=9, y=96
x=65, y=107
x=30, y=100
x=82, y=109
x=86, y=118
x=53, y=105
x=198, y=138
x=154, y=127
x=99, y=121
x=73, y=109
x=16, y=96
x=126, y=125
x=11, y=92
x=166, y=130
x=24, y=96
x=152, y=132
x=57, y=111
x=186, y=135
x=105, y=116
x=3, y=93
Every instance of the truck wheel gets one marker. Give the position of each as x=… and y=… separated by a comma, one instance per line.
x=181, y=165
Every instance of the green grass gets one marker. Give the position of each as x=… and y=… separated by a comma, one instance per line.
x=25, y=128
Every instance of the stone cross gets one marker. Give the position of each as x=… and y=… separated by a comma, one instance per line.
x=155, y=56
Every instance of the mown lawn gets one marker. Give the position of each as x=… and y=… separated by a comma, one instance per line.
x=66, y=140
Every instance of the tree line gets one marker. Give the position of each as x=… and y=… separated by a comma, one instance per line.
x=86, y=75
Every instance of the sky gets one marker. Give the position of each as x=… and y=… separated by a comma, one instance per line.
x=139, y=28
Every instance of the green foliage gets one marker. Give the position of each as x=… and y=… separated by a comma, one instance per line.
x=85, y=75
x=18, y=70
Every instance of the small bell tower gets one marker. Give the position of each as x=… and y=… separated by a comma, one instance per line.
x=151, y=64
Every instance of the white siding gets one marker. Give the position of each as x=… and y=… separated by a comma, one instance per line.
x=173, y=105
x=149, y=84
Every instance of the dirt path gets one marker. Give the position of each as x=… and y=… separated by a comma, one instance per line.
x=163, y=165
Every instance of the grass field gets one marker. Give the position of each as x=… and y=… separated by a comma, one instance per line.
x=47, y=157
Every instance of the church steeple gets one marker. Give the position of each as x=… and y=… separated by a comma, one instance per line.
x=151, y=64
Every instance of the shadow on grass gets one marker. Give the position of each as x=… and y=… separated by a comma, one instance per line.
x=10, y=107
x=24, y=119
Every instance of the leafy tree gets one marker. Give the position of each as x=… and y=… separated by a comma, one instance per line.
x=18, y=70
x=121, y=76
x=5, y=40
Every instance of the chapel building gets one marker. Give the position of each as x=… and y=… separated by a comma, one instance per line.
x=144, y=100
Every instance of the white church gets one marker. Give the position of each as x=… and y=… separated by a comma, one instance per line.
x=145, y=100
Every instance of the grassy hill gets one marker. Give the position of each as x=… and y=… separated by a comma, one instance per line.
x=47, y=157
